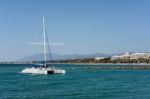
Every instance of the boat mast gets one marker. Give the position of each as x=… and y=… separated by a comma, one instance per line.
x=44, y=33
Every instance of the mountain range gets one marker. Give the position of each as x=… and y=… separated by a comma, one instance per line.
x=63, y=57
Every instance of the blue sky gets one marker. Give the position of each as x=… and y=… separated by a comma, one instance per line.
x=85, y=26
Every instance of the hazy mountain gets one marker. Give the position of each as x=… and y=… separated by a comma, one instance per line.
x=64, y=57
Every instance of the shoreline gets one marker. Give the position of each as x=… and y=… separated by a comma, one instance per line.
x=81, y=63
x=98, y=66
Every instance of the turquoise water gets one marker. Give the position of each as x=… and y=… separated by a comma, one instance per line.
x=77, y=83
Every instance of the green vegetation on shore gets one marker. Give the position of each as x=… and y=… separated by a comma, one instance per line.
x=105, y=60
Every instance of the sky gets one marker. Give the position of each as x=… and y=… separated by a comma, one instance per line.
x=84, y=26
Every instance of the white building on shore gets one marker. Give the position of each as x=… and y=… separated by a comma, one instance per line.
x=121, y=56
x=127, y=55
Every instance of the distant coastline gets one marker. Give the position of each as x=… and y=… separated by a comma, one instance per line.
x=87, y=61
x=80, y=63
x=107, y=66
x=76, y=63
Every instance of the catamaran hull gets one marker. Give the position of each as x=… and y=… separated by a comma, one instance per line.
x=43, y=71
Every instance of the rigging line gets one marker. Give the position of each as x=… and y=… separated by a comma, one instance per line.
x=50, y=54
x=37, y=47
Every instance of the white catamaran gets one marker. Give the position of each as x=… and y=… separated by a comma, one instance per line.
x=44, y=69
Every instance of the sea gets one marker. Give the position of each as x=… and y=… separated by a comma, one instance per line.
x=77, y=83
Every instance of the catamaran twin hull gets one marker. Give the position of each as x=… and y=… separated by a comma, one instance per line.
x=40, y=70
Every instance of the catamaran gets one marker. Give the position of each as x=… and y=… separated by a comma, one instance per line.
x=44, y=69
